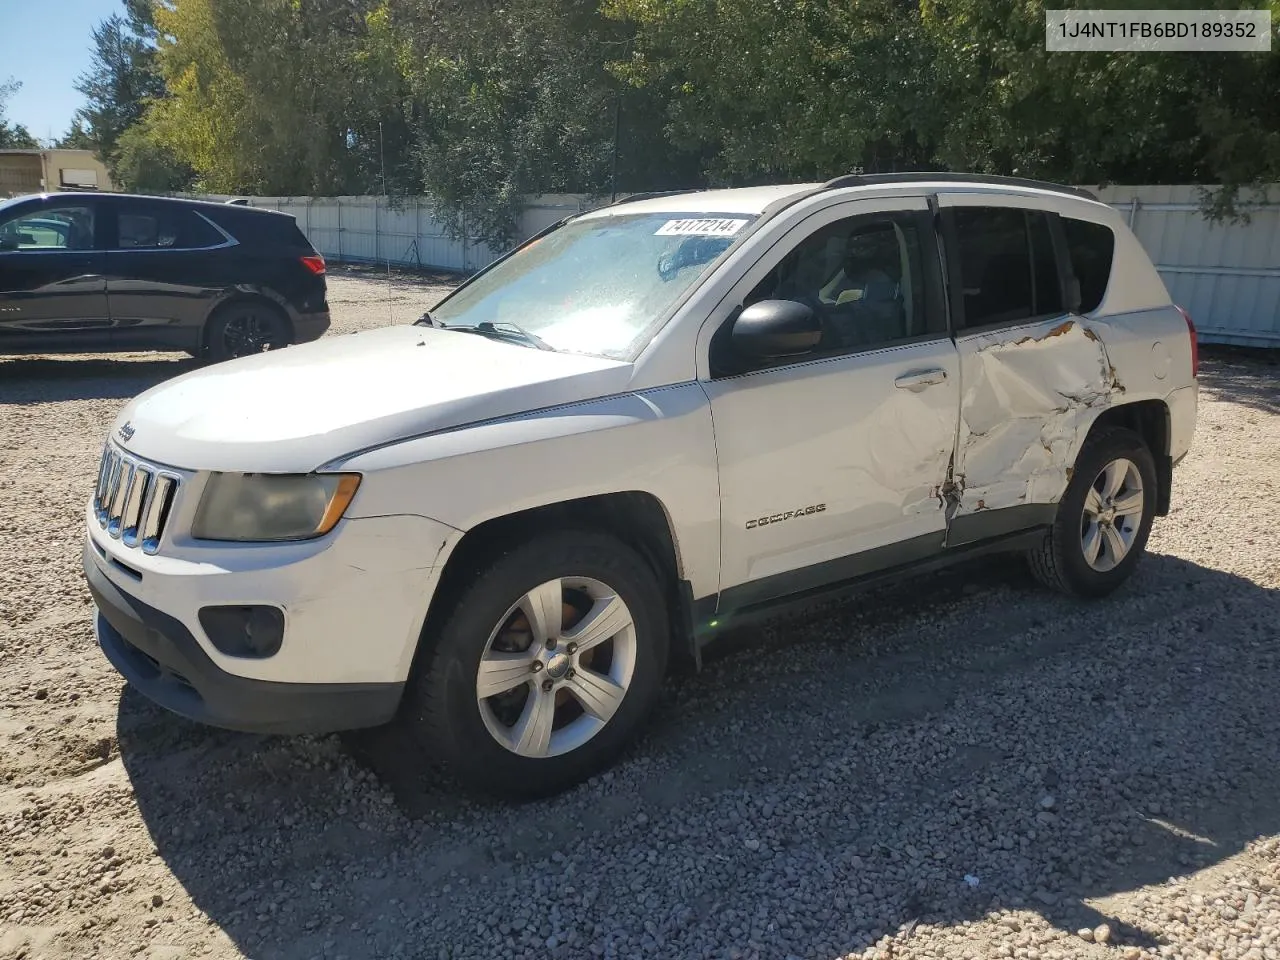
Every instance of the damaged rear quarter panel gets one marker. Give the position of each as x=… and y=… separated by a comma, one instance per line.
x=1028, y=398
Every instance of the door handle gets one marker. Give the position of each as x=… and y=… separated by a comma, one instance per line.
x=920, y=379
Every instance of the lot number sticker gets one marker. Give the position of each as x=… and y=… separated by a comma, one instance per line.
x=704, y=227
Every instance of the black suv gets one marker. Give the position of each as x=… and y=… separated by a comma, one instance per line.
x=89, y=272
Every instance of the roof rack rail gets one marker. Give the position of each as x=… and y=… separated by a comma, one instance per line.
x=874, y=179
x=651, y=195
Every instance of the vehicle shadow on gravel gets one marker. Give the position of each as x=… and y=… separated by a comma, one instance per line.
x=46, y=380
x=1248, y=377
x=893, y=765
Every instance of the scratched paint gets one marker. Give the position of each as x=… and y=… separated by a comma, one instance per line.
x=1027, y=401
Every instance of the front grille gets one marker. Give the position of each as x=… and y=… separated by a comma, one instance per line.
x=133, y=499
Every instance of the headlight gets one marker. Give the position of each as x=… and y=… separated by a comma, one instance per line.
x=268, y=506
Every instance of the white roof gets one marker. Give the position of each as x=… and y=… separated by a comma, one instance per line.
x=737, y=200
x=753, y=200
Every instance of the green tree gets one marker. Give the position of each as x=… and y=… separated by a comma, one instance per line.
x=145, y=164
x=77, y=137
x=516, y=98
x=1099, y=117
x=13, y=136
x=811, y=88
x=121, y=80
x=794, y=90
x=275, y=96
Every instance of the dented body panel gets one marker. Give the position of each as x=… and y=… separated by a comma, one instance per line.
x=1031, y=392
x=1028, y=397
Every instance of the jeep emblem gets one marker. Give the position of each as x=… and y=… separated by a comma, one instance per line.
x=126, y=432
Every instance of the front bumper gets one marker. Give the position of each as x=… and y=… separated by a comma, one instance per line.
x=163, y=660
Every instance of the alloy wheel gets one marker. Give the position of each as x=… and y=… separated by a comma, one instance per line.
x=1112, y=515
x=556, y=667
x=248, y=333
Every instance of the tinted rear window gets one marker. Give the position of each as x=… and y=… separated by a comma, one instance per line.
x=260, y=229
x=153, y=226
x=1007, y=265
x=1091, y=247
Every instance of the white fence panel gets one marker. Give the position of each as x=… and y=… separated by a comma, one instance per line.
x=1226, y=275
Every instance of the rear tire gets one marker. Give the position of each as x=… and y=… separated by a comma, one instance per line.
x=544, y=669
x=243, y=328
x=1104, y=518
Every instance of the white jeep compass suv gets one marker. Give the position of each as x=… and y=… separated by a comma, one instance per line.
x=496, y=527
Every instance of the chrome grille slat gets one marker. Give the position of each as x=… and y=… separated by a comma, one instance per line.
x=157, y=511
x=132, y=499
x=104, y=471
x=139, y=490
x=115, y=512
x=113, y=489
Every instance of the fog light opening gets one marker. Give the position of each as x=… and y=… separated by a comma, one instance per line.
x=253, y=632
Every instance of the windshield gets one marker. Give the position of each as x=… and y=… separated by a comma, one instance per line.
x=598, y=286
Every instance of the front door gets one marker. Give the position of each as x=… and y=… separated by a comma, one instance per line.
x=830, y=464
x=53, y=291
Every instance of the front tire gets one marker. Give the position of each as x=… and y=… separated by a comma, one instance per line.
x=545, y=667
x=1104, y=518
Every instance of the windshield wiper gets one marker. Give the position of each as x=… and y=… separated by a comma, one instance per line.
x=505, y=330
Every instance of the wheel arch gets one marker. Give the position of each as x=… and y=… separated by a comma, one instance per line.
x=1150, y=420
x=635, y=517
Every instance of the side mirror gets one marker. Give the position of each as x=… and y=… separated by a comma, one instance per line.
x=773, y=329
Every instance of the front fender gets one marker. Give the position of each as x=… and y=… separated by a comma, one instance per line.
x=658, y=442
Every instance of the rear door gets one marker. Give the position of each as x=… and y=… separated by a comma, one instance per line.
x=166, y=267
x=52, y=283
x=1031, y=370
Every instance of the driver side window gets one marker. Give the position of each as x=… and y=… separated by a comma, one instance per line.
x=863, y=277
x=50, y=227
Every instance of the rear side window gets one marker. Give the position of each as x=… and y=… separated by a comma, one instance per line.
x=262, y=230
x=1007, y=265
x=156, y=227
x=1091, y=247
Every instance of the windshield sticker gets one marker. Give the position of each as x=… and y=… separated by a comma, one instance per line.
x=703, y=227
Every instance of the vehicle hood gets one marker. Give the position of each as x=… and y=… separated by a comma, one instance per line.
x=296, y=409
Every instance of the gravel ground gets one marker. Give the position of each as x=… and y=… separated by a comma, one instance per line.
x=965, y=767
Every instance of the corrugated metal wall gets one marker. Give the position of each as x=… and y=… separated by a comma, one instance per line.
x=20, y=173
x=1226, y=275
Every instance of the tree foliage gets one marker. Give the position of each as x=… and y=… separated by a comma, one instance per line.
x=77, y=137
x=480, y=102
x=13, y=136
x=122, y=79
x=515, y=98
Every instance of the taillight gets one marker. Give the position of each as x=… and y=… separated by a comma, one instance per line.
x=314, y=263
x=1195, y=343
